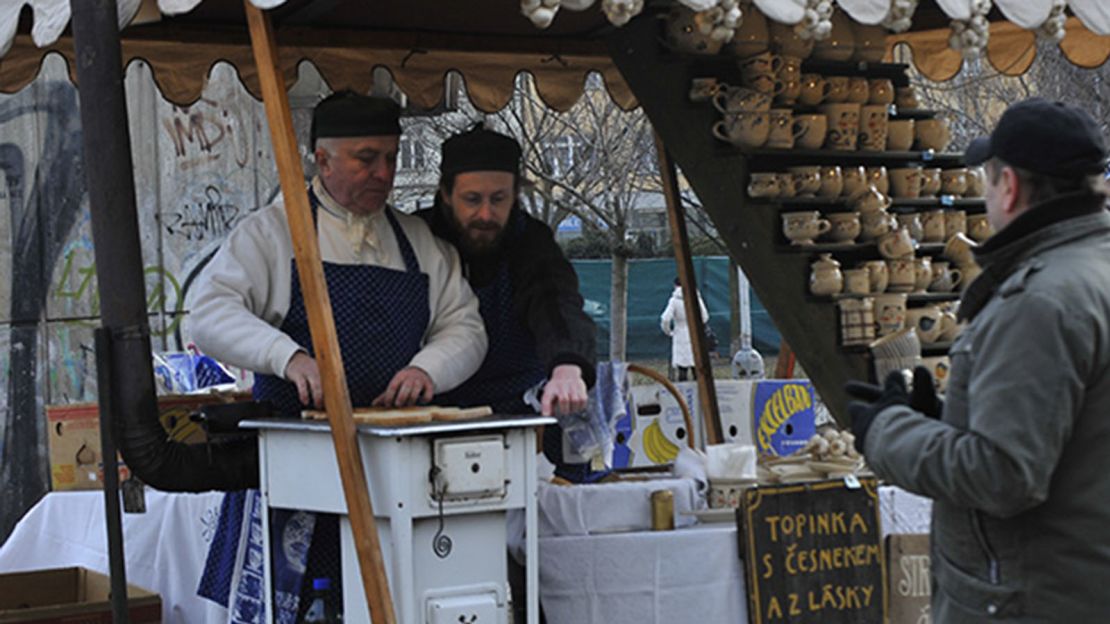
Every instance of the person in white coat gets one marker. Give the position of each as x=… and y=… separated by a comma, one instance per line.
x=673, y=323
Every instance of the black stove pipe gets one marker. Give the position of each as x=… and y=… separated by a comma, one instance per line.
x=158, y=461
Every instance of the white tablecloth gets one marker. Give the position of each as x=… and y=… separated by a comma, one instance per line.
x=164, y=548
x=688, y=575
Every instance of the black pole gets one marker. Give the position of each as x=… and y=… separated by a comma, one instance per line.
x=115, y=228
x=116, y=566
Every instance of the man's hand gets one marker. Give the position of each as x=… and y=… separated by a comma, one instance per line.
x=862, y=413
x=923, y=399
x=303, y=372
x=411, y=385
x=565, y=392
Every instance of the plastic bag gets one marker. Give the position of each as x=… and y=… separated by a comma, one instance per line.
x=185, y=372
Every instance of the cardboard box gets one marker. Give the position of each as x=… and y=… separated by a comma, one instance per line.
x=76, y=462
x=70, y=595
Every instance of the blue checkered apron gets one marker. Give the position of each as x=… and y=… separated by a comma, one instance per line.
x=380, y=317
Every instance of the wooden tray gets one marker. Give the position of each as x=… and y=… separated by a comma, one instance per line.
x=400, y=416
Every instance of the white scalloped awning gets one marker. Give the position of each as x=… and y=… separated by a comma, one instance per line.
x=420, y=61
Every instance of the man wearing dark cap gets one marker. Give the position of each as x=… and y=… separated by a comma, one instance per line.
x=538, y=332
x=1016, y=457
x=407, y=321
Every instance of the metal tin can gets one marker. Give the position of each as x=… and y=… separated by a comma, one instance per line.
x=662, y=510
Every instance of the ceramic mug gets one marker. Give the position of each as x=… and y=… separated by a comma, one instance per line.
x=932, y=226
x=785, y=40
x=813, y=131
x=870, y=199
x=845, y=227
x=949, y=326
x=899, y=135
x=923, y=273
x=843, y=125
x=906, y=182
x=748, y=130
x=938, y=366
x=783, y=129
x=953, y=181
x=855, y=180
x=976, y=182
x=832, y=181
x=788, y=186
x=870, y=42
x=838, y=89
x=857, y=320
x=878, y=177
x=879, y=274
x=873, y=122
x=857, y=281
x=925, y=321
x=955, y=222
x=896, y=244
x=791, y=89
x=740, y=99
x=890, y=313
x=930, y=181
x=752, y=37
x=807, y=179
x=979, y=227
x=764, y=83
x=931, y=134
x=960, y=249
x=876, y=224
x=912, y=222
x=765, y=63
x=858, y=90
x=945, y=278
x=905, y=97
x=902, y=273
x=840, y=44
x=703, y=89
x=802, y=227
x=814, y=89
x=881, y=91
x=763, y=185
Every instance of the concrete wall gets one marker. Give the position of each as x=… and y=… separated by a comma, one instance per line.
x=198, y=171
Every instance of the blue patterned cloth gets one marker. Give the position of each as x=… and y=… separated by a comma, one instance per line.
x=380, y=317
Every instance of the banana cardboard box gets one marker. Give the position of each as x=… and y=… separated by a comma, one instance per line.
x=776, y=416
x=76, y=461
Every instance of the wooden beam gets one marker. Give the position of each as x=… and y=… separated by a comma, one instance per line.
x=707, y=391
x=325, y=342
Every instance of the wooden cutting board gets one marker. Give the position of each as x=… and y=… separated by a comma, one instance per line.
x=401, y=416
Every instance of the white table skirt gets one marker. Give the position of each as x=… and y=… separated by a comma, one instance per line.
x=652, y=577
x=164, y=548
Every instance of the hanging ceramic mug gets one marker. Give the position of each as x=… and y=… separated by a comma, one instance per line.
x=843, y=125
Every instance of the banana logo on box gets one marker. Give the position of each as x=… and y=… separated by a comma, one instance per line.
x=658, y=448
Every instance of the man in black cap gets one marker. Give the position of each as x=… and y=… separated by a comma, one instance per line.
x=538, y=333
x=1016, y=455
x=407, y=321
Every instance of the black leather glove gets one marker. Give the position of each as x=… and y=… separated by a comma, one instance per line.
x=863, y=413
x=923, y=399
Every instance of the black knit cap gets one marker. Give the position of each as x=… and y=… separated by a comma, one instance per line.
x=348, y=114
x=1050, y=138
x=479, y=149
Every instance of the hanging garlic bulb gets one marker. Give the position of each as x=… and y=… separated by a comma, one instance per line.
x=721, y=21
x=541, y=12
x=900, y=17
x=970, y=37
x=620, y=12
x=816, y=22
x=1053, y=28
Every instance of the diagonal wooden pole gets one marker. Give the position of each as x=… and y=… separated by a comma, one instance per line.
x=325, y=342
x=707, y=391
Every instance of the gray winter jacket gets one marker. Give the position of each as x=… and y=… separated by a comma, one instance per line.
x=1019, y=464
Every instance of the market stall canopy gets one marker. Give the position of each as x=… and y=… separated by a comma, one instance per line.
x=490, y=41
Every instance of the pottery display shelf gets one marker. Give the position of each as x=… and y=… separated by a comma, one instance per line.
x=972, y=205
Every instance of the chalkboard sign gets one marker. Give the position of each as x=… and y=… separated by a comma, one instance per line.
x=910, y=585
x=814, y=553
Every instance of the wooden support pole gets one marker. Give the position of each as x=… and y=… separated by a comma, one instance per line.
x=707, y=391
x=325, y=342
